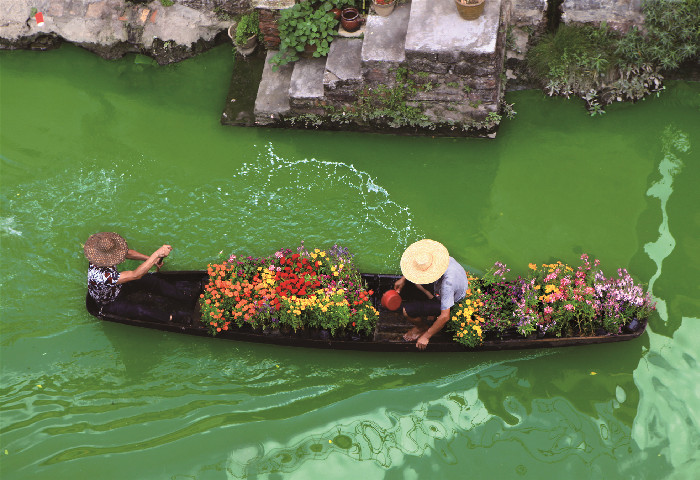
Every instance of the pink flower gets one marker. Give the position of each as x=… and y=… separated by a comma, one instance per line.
x=548, y=310
x=569, y=307
x=231, y=258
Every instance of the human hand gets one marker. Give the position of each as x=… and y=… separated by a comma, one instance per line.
x=422, y=342
x=164, y=251
x=398, y=284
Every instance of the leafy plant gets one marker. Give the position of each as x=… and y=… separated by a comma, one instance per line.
x=303, y=25
x=167, y=3
x=248, y=25
x=601, y=66
x=672, y=35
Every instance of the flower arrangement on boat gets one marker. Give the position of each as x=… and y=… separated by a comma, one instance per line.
x=553, y=299
x=307, y=289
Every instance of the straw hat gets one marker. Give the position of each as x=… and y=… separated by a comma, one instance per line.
x=105, y=249
x=424, y=261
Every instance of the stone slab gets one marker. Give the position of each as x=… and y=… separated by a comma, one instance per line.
x=345, y=59
x=307, y=78
x=435, y=26
x=272, y=4
x=385, y=36
x=273, y=93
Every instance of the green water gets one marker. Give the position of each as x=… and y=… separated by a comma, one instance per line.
x=89, y=145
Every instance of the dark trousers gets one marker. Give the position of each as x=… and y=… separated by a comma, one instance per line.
x=122, y=307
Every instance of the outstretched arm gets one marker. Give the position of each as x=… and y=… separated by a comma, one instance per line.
x=143, y=269
x=134, y=255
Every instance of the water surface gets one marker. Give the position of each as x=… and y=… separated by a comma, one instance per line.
x=89, y=145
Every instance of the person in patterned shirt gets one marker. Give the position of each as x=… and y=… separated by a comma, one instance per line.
x=109, y=287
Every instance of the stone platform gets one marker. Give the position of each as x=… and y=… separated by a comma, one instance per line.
x=451, y=71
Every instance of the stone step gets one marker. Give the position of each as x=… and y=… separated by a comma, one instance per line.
x=383, y=47
x=306, y=86
x=343, y=69
x=307, y=79
x=272, y=100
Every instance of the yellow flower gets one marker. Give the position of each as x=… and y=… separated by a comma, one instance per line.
x=532, y=266
x=323, y=254
x=316, y=250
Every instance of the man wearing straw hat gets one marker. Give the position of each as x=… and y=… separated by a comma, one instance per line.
x=424, y=262
x=106, y=285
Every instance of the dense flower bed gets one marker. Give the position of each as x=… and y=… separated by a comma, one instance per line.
x=553, y=299
x=307, y=289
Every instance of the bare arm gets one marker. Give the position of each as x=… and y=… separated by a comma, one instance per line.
x=143, y=269
x=401, y=282
x=440, y=322
x=134, y=255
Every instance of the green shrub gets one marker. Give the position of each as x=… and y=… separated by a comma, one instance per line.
x=672, y=35
x=601, y=66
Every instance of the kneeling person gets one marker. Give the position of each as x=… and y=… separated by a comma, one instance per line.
x=428, y=262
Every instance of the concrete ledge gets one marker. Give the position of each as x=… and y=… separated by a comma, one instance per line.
x=435, y=26
x=385, y=36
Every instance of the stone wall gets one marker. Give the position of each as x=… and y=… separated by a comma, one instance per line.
x=112, y=28
x=620, y=15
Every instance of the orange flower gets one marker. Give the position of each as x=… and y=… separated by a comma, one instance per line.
x=532, y=266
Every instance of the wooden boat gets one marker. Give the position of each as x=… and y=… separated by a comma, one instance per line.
x=387, y=337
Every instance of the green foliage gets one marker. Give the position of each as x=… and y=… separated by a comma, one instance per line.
x=305, y=24
x=167, y=3
x=576, y=55
x=601, y=66
x=248, y=25
x=222, y=14
x=672, y=35
x=33, y=11
x=389, y=103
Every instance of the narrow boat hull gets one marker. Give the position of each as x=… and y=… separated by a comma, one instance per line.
x=387, y=336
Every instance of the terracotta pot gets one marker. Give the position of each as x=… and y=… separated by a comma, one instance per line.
x=308, y=51
x=383, y=10
x=350, y=19
x=470, y=11
x=336, y=12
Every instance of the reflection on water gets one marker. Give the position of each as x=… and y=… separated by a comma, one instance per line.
x=668, y=418
x=460, y=416
x=673, y=141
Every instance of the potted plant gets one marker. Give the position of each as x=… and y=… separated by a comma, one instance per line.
x=383, y=8
x=470, y=9
x=247, y=32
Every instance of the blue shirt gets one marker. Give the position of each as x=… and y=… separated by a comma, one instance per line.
x=452, y=286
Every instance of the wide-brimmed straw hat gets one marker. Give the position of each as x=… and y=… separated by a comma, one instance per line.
x=105, y=249
x=424, y=261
